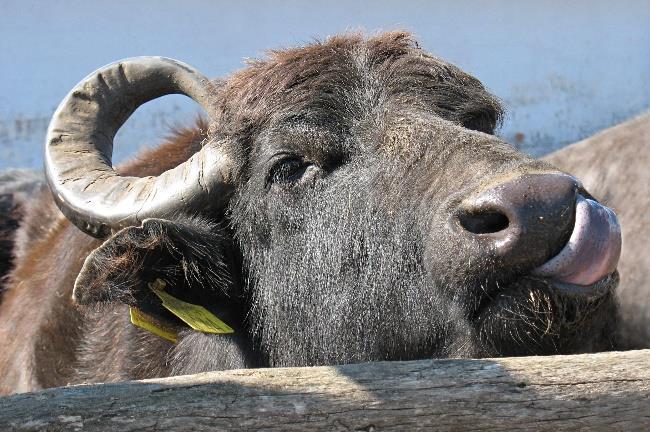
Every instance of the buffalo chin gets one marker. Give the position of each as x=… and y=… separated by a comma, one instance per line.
x=534, y=316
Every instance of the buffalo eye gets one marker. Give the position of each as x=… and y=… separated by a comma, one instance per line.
x=290, y=170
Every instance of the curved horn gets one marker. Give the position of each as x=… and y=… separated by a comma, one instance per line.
x=79, y=148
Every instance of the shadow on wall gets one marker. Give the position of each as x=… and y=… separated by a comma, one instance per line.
x=22, y=137
x=564, y=70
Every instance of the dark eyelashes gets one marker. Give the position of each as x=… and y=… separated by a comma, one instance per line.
x=288, y=171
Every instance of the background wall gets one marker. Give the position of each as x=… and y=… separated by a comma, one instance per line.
x=563, y=69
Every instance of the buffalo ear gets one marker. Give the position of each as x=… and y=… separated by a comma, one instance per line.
x=192, y=256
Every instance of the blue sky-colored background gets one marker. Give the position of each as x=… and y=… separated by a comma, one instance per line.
x=564, y=70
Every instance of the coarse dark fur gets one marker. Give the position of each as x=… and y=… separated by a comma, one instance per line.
x=11, y=214
x=16, y=186
x=336, y=246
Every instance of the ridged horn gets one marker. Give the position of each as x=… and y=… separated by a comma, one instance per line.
x=79, y=149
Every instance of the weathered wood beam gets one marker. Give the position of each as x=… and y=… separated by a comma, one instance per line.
x=596, y=392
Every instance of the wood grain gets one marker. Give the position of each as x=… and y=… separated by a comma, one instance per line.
x=606, y=391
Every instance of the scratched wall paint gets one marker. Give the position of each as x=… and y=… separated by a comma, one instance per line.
x=564, y=70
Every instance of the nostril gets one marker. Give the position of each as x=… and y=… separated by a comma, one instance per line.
x=483, y=221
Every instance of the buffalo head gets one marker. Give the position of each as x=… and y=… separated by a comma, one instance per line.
x=349, y=203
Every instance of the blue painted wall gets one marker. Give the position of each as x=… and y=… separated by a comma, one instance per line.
x=563, y=69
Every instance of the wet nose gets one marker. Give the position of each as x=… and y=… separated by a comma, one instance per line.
x=523, y=221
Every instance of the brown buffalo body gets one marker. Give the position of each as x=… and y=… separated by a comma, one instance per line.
x=614, y=165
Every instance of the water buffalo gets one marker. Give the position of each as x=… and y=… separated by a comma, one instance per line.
x=615, y=166
x=346, y=203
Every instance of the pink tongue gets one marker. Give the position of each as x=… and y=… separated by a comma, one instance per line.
x=593, y=250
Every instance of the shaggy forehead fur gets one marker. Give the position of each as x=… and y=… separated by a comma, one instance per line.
x=346, y=79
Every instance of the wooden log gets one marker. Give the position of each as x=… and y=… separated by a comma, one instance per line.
x=596, y=392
